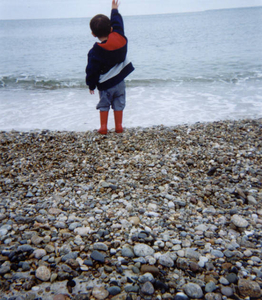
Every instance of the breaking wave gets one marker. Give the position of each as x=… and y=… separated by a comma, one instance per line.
x=25, y=82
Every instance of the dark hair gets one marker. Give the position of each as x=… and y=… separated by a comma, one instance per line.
x=100, y=25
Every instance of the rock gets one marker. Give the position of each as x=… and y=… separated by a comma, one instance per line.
x=71, y=255
x=43, y=273
x=36, y=240
x=147, y=277
x=114, y=290
x=238, y=221
x=49, y=248
x=82, y=231
x=61, y=297
x=190, y=162
x=122, y=296
x=227, y=291
x=88, y=262
x=3, y=231
x=74, y=264
x=29, y=194
x=223, y=281
x=25, y=266
x=232, y=278
x=251, y=200
x=39, y=253
x=211, y=171
x=147, y=288
x=213, y=296
x=150, y=269
x=201, y=227
x=166, y=261
x=217, y=253
x=99, y=292
x=98, y=256
x=249, y=288
x=160, y=285
x=182, y=263
x=210, y=287
x=4, y=269
x=60, y=225
x=82, y=296
x=127, y=252
x=54, y=211
x=134, y=220
x=191, y=253
x=2, y=216
x=194, y=266
x=193, y=290
x=100, y=246
x=181, y=296
x=143, y=250
x=25, y=248
x=202, y=261
x=240, y=192
x=130, y=288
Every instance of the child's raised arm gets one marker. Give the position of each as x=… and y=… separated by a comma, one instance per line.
x=115, y=4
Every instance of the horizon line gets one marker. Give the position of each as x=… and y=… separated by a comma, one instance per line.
x=136, y=15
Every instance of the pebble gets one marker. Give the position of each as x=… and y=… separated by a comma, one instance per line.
x=251, y=200
x=210, y=286
x=239, y=221
x=202, y=261
x=150, y=269
x=166, y=261
x=100, y=246
x=128, y=252
x=143, y=250
x=153, y=213
x=43, y=273
x=114, y=290
x=249, y=288
x=97, y=256
x=227, y=291
x=99, y=292
x=147, y=288
x=193, y=290
x=213, y=296
x=147, y=277
x=39, y=253
x=181, y=296
x=232, y=278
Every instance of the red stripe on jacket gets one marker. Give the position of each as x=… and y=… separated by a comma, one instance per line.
x=115, y=41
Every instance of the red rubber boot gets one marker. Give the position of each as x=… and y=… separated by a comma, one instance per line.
x=118, y=120
x=103, y=122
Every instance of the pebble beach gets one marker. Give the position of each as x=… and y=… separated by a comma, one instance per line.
x=152, y=213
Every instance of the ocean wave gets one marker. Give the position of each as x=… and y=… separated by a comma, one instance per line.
x=41, y=82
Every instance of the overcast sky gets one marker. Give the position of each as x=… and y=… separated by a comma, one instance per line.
x=34, y=9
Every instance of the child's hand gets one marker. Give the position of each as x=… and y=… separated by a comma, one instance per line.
x=115, y=4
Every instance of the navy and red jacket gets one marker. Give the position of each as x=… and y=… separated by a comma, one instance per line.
x=107, y=62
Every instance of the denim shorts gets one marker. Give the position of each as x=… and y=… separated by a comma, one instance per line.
x=114, y=97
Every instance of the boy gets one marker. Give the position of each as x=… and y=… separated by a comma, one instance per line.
x=108, y=66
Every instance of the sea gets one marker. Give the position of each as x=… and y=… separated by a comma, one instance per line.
x=189, y=67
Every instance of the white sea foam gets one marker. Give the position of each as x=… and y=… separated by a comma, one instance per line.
x=74, y=110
